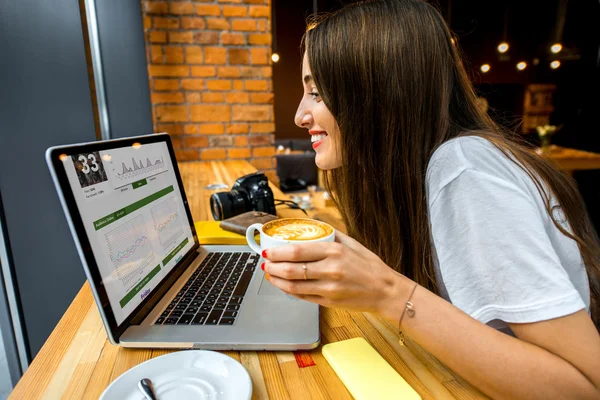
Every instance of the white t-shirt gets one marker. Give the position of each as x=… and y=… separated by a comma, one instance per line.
x=499, y=256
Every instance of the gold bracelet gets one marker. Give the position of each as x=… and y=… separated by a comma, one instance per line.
x=408, y=309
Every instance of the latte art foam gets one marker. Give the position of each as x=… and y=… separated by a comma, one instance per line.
x=297, y=229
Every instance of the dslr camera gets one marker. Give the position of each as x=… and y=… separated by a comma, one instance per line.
x=249, y=193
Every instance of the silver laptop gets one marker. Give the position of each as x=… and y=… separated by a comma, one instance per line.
x=154, y=284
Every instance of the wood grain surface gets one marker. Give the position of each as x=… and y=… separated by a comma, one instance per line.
x=78, y=362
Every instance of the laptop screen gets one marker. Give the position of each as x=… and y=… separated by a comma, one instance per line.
x=132, y=210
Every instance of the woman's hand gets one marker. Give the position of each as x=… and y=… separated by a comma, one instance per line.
x=339, y=274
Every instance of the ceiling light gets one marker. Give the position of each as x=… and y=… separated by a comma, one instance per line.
x=503, y=47
x=485, y=68
x=521, y=66
x=556, y=48
x=275, y=57
x=555, y=64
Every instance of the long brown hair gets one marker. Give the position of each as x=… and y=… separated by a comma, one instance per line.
x=392, y=77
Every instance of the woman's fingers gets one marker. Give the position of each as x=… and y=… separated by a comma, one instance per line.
x=326, y=270
x=301, y=287
x=302, y=252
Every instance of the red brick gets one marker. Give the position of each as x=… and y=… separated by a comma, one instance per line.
x=212, y=113
x=156, y=54
x=239, y=56
x=147, y=22
x=219, y=84
x=230, y=1
x=181, y=37
x=211, y=97
x=237, y=97
x=193, y=23
x=267, y=72
x=168, y=70
x=263, y=25
x=172, y=129
x=181, y=7
x=238, y=153
x=241, y=141
x=207, y=37
x=228, y=72
x=263, y=128
x=250, y=72
x=251, y=113
x=194, y=55
x=158, y=37
x=170, y=97
x=236, y=129
x=173, y=55
x=166, y=22
x=262, y=163
x=220, y=141
x=243, y=24
x=177, y=142
x=259, y=38
x=220, y=24
x=261, y=98
x=256, y=85
x=186, y=155
x=238, y=84
x=255, y=1
x=156, y=7
x=172, y=113
x=266, y=151
x=261, y=140
x=260, y=11
x=203, y=71
x=235, y=11
x=215, y=55
x=232, y=38
x=206, y=9
x=192, y=97
x=196, y=142
x=212, y=129
x=192, y=84
x=191, y=129
x=260, y=56
x=166, y=84
x=212, y=154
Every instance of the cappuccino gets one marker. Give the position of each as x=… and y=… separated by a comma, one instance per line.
x=297, y=229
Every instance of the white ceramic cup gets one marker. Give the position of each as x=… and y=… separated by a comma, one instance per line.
x=268, y=242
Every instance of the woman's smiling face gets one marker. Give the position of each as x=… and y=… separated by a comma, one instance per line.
x=313, y=115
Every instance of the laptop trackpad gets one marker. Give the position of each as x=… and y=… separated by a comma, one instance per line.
x=267, y=289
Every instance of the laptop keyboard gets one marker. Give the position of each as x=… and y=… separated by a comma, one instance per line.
x=214, y=293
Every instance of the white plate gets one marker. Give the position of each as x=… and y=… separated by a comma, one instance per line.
x=190, y=374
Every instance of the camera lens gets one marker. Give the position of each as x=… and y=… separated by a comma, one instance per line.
x=225, y=205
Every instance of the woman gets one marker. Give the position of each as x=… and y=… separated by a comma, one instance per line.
x=481, y=251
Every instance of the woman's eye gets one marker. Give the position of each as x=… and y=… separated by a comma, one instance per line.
x=314, y=95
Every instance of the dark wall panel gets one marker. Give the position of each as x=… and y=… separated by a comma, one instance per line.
x=44, y=100
x=121, y=37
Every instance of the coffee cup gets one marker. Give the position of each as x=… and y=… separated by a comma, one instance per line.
x=286, y=231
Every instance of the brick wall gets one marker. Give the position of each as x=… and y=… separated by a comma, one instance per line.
x=209, y=65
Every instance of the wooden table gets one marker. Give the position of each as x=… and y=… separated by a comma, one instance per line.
x=78, y=362
x=571, y=159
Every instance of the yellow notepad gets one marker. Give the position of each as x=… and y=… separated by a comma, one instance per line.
x=209, y=232
x=365, y=372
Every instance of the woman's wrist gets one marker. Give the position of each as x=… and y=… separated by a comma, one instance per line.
x=395, y=293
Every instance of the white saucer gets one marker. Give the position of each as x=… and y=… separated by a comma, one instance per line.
x=190, y=374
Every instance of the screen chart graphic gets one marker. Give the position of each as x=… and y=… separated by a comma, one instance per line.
x=130, y=250
x=167, y=222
